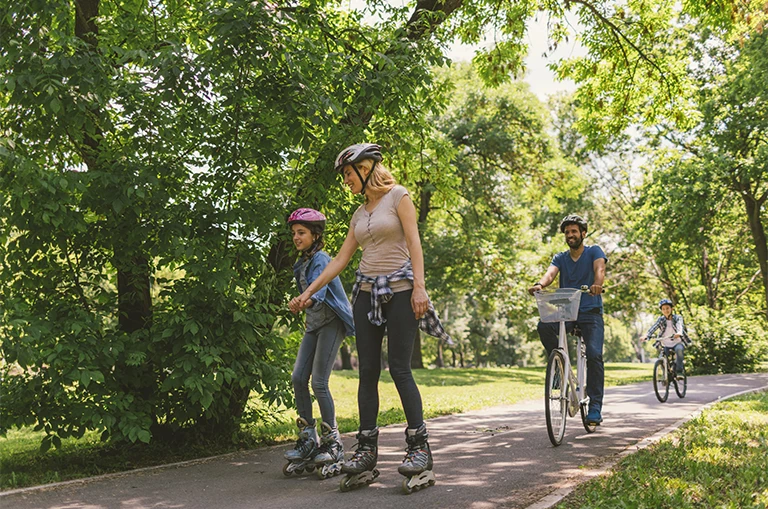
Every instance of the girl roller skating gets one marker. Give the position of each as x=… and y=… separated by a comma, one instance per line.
x=328, y=320
x=389, y=293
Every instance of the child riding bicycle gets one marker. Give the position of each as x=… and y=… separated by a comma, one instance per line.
x=672, y=333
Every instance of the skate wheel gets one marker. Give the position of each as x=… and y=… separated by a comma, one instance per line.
x=310, y=468
x=286, y=470
x=344, y=485
x=407, y=489
x=299, y=471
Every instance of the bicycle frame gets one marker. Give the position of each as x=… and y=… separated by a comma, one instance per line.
x=578, y=385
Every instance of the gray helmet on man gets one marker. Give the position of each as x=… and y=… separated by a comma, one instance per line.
x=573, y=219
x=356, y=153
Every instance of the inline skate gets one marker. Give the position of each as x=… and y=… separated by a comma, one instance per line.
x=361, y=470
x=417, y=464
x=330, y=455
x=302, y=457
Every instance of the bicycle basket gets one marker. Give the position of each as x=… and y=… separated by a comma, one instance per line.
x=560, y=304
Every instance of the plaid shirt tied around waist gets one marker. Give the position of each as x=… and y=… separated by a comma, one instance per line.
x=381, y=293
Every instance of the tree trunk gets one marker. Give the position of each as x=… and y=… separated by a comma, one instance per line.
x=439, y=361
x=346, y=357
x=134, y=299
x=706, y=279
x=424, y=198
x=753, y=206
x=133, y=287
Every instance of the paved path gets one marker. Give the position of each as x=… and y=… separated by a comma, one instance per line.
x=499, y=457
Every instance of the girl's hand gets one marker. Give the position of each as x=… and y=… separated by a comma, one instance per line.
x=419, y=302
x=304, y=300
x=300, y=303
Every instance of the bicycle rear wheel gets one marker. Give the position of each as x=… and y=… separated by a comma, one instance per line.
x=660, y=382
x=681, y=385
x=556, y=397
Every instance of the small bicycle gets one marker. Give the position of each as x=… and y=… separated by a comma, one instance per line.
x=664, y=374
x=564, y=399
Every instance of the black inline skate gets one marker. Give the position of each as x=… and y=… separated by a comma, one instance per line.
x=361, y=470
x=330, y=455
x=417, y=464
x=302, y=457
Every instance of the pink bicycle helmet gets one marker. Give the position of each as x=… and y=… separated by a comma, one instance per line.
x=307, y=216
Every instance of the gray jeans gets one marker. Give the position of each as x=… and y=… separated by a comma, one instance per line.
x=316, y=356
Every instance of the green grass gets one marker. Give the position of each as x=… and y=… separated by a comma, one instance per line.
x=719, y=459
x=444, y=391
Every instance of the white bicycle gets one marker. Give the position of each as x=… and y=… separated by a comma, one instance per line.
x=562, y=400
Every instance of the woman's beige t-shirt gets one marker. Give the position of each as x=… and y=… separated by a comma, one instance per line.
x=382, y=238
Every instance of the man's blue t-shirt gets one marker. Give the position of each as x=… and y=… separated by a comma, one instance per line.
x=581, y=272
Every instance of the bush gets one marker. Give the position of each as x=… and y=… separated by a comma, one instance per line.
x=725, y=343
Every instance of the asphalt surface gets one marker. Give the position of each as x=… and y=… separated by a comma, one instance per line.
x=494, y=458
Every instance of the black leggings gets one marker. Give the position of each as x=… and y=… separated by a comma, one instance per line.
x=402, y=328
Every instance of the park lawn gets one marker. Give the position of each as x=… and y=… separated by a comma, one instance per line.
x=444, y=391
x=719, y=459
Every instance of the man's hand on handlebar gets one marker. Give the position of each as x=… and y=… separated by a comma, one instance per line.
x=535, y=288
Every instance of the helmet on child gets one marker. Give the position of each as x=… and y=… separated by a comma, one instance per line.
x=665, y=301
x=310, y=217
x=356, y=153
x=573, y=219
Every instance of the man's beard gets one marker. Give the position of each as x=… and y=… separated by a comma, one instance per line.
x=574, y=243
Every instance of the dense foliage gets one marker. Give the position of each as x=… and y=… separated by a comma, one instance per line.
x=150, y=152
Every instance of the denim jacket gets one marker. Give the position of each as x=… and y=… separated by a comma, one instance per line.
x=332, y=294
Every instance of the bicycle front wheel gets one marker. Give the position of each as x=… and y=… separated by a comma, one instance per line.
x=681, y=385
x=660, y=382
x=556, y=397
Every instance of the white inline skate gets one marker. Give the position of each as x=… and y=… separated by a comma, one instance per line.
x=330, y=455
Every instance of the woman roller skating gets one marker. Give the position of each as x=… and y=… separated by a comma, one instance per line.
x=389, y=293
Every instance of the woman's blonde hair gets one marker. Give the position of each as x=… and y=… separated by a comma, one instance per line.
x=381, y=180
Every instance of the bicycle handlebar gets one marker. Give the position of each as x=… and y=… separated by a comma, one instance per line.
x=583, y=289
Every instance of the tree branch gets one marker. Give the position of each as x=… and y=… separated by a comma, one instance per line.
x=618, y=34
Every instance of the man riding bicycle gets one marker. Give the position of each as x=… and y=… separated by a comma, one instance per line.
x=579, y=266
x=672, y=333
